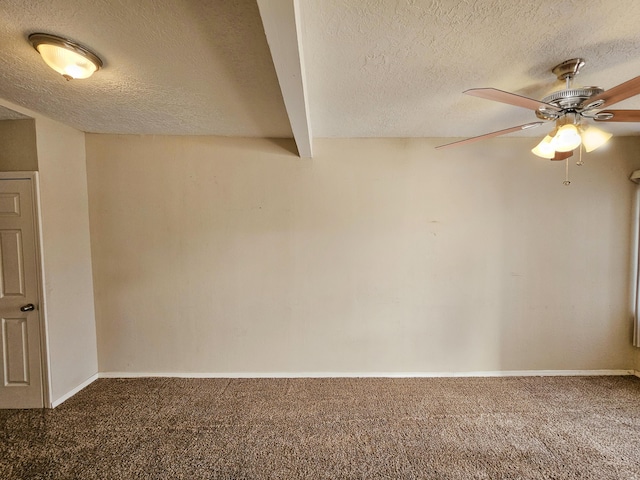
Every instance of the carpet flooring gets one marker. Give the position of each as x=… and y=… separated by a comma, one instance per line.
x=340, y=428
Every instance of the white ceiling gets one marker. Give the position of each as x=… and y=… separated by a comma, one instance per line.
x=171, y=66
x=368, y=68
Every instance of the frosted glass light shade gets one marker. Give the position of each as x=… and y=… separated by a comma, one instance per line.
x=69, y=59
x=66, y=62
x=544, y=149
x=566, y=139
x=593, y=138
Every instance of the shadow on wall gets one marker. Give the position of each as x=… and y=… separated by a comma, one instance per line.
x=18, y=150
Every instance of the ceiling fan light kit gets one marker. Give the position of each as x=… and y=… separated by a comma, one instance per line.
x=570, y=109
x=69, y=59
x=544, y=149
x=593, y=137
x=566, y=139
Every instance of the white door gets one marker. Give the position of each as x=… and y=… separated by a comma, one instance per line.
x=21, y=384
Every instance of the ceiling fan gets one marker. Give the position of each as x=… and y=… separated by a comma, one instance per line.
x=570, y=108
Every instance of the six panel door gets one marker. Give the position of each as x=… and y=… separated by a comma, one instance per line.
x=21, y=384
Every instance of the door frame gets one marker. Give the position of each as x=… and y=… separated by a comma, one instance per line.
x=44, y=338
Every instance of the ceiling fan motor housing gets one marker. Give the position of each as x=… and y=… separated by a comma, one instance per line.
x=570, y=100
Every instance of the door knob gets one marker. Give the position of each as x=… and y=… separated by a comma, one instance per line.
x=28, y=307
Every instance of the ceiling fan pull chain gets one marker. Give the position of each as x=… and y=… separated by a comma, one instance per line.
x=566, y=173
x=580, y=162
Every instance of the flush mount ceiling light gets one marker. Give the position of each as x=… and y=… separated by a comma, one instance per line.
x=571, y=109
x=69, y=59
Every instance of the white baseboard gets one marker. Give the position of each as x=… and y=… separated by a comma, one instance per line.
x=497, y=373
x=70, y=394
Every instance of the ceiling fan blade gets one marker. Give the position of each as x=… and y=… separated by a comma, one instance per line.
x=562, y=155
x=509, y=98
x=620, y=116
x=618, y=93
x=492, y=134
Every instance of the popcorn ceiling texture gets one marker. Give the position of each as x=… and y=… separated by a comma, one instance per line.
x=171, y=67
x=398, y=68
x=374, y=68
x=7, y=114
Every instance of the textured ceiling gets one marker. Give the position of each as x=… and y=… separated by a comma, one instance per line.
x=373, y=68
x=171, y=66
x=398, y=68
x=7, y=114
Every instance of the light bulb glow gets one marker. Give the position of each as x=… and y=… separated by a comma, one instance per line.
x=566, y=139
x=64, y=56
x=66, y=62
x=544, y=149
x=593, y=138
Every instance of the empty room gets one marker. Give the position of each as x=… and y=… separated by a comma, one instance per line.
x=319, y=239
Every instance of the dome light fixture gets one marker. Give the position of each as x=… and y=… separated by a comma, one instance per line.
x=69, y=59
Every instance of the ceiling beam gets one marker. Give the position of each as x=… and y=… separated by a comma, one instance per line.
x=281, y=21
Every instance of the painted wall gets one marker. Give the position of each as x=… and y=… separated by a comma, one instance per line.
x=66, y=257
x=18, y=150
x=216, y=255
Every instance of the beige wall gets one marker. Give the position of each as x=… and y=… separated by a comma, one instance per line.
x=66, y=257
x=18, y=145
x=382, y=255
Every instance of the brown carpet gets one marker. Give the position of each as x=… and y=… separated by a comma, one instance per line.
x=436, y=428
